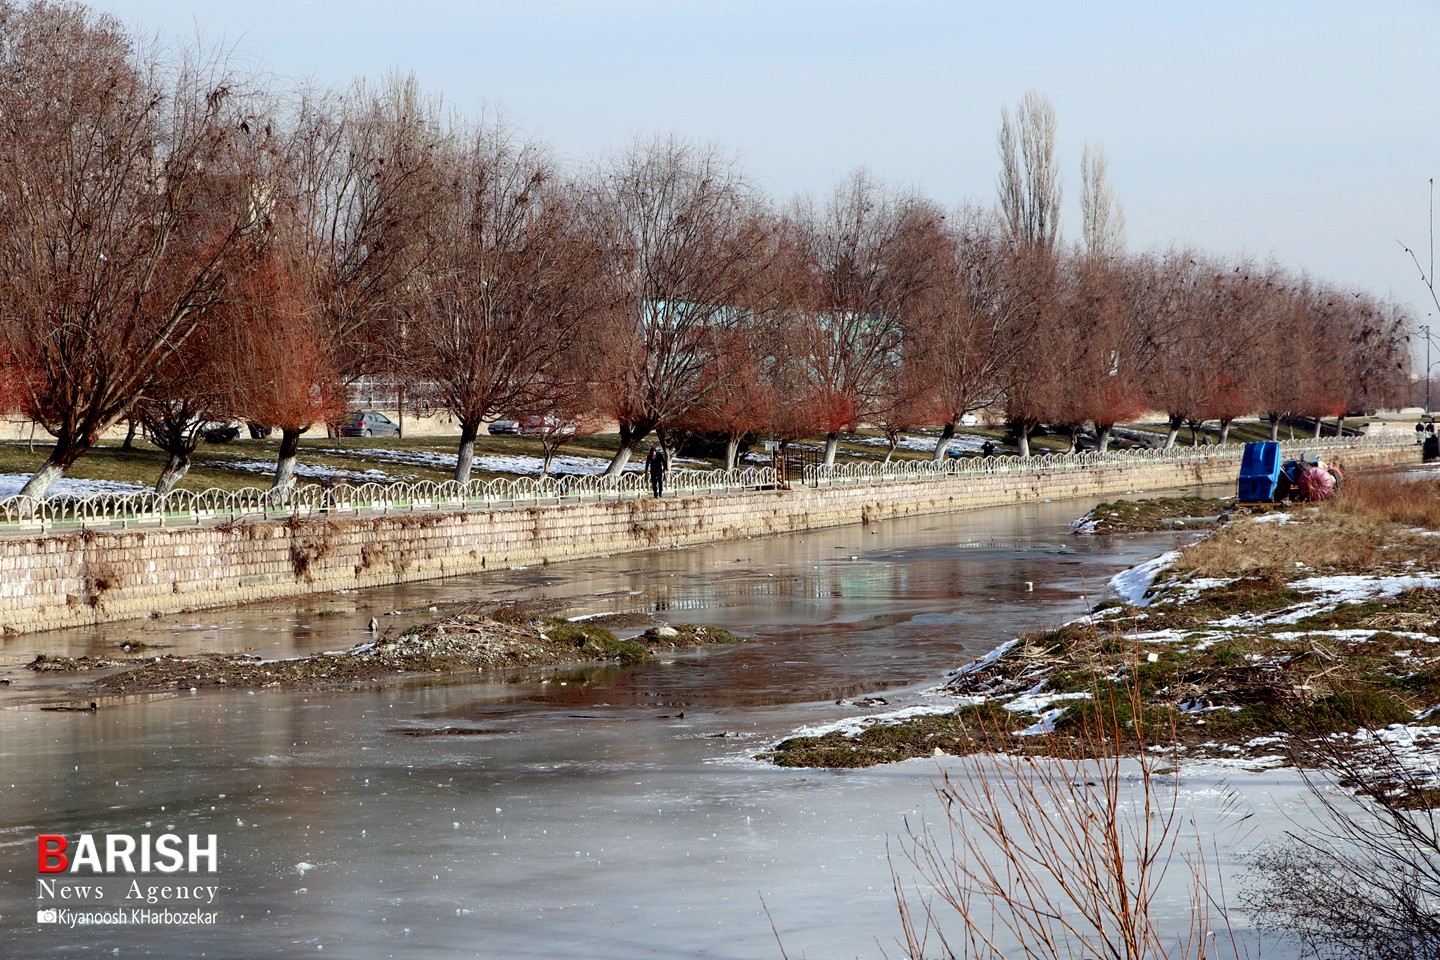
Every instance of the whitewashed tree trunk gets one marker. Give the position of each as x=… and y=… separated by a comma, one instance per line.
x=465, y=459
x=617, y=463
x=832, y=442
x=1102, y=436
x=44, y=478
x=174, y=471
x=732, y=451
x=942, y=445
x=285, y=463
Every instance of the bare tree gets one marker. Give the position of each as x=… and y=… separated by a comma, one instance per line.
x=687, y=236
x=360, y=176
x=1102, y=219
x=1030, y=195
x=124, y=187
x=282, y=368
x=510, y=285
x=1030, y=191
x=961, y=330
x=194, y=386
x=871, y=253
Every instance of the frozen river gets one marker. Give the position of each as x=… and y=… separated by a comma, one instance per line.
x=584, y=816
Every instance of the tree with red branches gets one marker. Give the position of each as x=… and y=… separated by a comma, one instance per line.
x=126, y=185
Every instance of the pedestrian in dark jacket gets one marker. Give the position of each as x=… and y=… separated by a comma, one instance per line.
x=656, y=466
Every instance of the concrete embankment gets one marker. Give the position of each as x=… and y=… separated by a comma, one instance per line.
x=94, y=577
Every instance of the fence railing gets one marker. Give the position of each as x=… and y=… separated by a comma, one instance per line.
x=909, y=470
x=24, y=515
x=27, y=516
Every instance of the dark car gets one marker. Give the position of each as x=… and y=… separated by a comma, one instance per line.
x=368, y=423
x=220, y=431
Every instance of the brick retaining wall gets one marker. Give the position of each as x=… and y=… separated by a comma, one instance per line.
x=85, y=578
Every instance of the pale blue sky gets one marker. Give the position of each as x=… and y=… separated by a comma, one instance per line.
x=1306, y=131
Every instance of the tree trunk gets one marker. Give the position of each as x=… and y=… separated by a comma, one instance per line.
x=1225, y=431
x=43, y=479
x=465, y=459
x=1173, y=431
x=61, y=458
x=732, y=452
x=942, y=445
x=175, y=469
x=285, y=462
x=1340, y=426
x=1319, y=428
x=832, y=442
x=1274, y=426
x=549, y=450
x=1102, y=436
x=133, y=426
x=631, y=434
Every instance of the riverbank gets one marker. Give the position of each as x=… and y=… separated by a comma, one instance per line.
x=91, y=577
x=1279, y=629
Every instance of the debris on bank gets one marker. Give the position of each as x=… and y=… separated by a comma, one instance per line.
x=457, y=644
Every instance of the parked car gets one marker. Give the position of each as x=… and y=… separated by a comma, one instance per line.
x=505, y=426
x=219, y=431
x=535, y=423
x=368, y=423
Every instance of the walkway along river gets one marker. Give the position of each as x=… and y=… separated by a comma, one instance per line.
x=600, y=813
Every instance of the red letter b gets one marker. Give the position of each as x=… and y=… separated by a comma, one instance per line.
x=52, y=853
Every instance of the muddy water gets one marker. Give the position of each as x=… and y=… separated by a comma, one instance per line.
x=602, y=812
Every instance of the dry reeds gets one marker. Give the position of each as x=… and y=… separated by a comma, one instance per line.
x=1381, y=524
x=1392, y=498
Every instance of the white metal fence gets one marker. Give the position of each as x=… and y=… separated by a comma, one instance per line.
x=26, y=516
x=901, y=470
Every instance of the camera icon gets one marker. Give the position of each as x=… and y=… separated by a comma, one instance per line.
x=46, y=916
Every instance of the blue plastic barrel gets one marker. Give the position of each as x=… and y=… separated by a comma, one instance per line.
x=1259, y=472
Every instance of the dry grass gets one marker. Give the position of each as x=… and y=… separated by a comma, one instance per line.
x=1379, y=526
x=1384, y=496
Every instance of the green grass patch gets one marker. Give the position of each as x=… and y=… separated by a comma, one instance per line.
x=595, y=641
x=1158, y=513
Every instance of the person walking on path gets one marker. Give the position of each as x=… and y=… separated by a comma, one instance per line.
x=656, y=466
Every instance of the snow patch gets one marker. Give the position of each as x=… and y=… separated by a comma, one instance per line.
x=1132, y=585
x=11, y=483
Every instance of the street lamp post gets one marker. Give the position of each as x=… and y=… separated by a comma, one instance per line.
x=1425, y=329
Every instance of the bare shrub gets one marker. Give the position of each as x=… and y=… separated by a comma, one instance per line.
x=1060, y=856
x=1365, y=883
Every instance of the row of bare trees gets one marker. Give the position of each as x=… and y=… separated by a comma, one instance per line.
x=180, y=243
